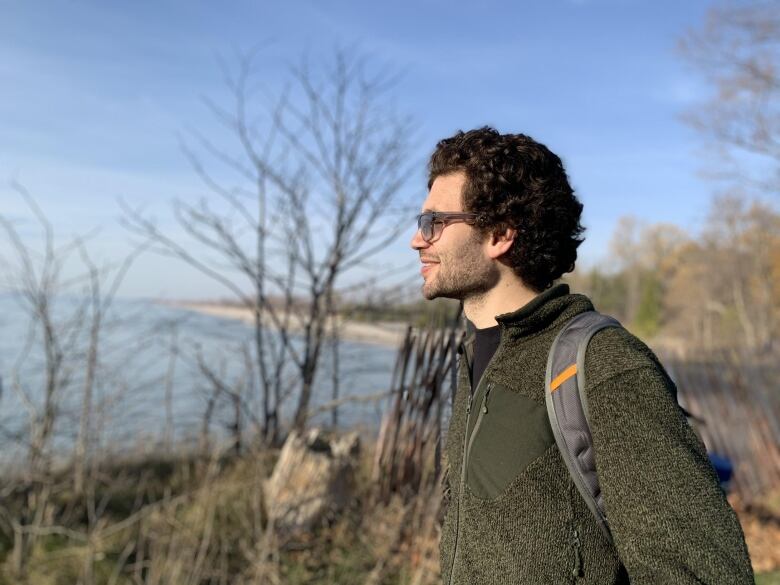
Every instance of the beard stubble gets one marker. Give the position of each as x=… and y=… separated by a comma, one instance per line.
x=462, y=273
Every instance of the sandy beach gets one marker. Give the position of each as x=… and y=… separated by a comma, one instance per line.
x=386, y=334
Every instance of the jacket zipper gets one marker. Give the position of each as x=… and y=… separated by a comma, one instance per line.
x=482, y=412
x=467, y=442
x=485, y=399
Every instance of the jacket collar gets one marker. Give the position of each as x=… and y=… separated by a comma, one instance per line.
x=553, y=306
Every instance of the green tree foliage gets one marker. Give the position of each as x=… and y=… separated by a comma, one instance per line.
x=649, y=313
x=606, y=290
x=422, y=313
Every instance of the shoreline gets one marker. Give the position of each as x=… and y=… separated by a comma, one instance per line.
x=386, y=334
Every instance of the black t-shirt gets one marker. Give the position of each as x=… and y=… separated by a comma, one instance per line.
x=485, y=344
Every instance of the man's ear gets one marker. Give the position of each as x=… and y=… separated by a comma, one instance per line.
x=501, y=242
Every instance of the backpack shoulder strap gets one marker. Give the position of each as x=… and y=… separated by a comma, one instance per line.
x=567, y=406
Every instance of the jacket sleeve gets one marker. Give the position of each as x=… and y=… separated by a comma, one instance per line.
x=669, y=517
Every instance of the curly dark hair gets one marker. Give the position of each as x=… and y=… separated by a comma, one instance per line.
x=513, y=181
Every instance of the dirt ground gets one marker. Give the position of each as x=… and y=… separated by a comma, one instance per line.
x=761, y=523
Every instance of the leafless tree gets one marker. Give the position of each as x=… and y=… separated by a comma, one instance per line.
x=625, y=247
x=99, y=303
x=737, y=51
x=742, y=240
x=315, y=194
x=169, y=378
x=36, y=279
x=62, y=312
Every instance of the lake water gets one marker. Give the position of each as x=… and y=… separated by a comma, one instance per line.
x=136, y=360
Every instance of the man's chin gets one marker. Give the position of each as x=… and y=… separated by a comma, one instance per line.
x=430, y=293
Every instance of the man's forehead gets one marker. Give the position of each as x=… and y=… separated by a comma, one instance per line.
x=446, y=193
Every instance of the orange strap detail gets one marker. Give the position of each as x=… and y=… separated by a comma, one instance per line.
x=562, y=377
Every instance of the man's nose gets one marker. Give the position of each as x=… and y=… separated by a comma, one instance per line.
x=417, y=242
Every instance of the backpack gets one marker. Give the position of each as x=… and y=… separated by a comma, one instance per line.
x=567, y=409
x=567, y=406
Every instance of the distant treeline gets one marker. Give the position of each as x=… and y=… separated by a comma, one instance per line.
x=422, y=313
x=719, y=288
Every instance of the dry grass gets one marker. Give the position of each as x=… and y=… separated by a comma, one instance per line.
x=761, y=523
x=191, y=522
x=194, y=522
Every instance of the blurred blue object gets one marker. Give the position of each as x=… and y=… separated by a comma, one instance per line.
x=723, y=467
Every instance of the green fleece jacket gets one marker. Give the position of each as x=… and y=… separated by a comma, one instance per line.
x=513, y=514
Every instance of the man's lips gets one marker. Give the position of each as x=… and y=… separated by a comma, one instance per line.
x=427, y=265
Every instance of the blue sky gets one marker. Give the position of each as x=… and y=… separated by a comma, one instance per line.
x=96, y=93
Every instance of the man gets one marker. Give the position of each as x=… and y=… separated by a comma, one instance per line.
x=500, y=225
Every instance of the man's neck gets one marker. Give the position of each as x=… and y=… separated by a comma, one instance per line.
x=507, y=296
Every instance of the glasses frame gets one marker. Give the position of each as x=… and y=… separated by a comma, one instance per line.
x=443, y=219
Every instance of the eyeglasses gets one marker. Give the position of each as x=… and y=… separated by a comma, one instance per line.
x=432, y=223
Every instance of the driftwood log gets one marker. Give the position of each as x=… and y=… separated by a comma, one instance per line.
x=313, y=480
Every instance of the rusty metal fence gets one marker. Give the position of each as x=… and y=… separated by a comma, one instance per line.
x=408, y=451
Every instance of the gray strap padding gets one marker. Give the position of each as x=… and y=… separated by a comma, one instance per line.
x=567, y=407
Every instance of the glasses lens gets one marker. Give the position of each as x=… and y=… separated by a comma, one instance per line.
x=425, y=223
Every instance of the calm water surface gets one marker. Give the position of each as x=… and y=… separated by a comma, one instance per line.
x=136, y=364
